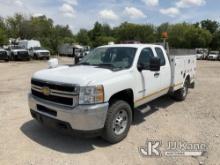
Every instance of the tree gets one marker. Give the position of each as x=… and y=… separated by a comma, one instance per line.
x=3, y=33
x=83, y=37
x=14, y=25
x=211, y=26
x=160, y=29
x=104, y=40
x=3, y=37
x=188, y=36
x=215, y=44
x=129, y=31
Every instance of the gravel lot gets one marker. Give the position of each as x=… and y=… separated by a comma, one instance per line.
x=196, y=120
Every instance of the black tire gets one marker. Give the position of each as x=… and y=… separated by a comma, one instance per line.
x=15, y=58
x=180, y=95
x=12, y=57
x=116, y=109
x=6, y=60
x=35, y=57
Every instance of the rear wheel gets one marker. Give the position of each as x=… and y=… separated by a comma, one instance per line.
x=118, y=122
x=181, y=94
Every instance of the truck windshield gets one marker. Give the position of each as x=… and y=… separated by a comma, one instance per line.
x=215, y=53
x=37, y=48
x=114, y=57
x=16, y=47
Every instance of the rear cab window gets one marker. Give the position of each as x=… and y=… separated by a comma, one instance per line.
x=161, y=55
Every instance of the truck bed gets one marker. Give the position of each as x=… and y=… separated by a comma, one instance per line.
x=182, y=66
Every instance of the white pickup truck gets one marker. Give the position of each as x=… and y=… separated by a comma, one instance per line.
x=101, y=93
x=39, y=53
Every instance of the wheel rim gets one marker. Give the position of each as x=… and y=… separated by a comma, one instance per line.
x=120, y=122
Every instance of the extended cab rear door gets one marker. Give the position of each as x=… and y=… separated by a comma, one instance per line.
x=165, y=70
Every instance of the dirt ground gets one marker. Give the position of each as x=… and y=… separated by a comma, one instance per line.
x=196, y=120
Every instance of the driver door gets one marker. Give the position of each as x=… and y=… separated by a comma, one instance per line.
x=149, y=81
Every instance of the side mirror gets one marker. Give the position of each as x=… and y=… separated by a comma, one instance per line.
x=53, y=63
x=154, y=64
x=141, y=67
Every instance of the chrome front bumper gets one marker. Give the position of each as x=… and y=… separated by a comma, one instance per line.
x=81, y=118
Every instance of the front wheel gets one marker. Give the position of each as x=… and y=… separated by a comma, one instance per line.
x=35, y=57
x=181, y=94
x=118, y=122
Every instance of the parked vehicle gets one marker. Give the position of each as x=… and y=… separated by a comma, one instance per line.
x=201, y=53
x=18, y=53
x=213, y=55
x=28, y=44
x=101, y=93
x=69, y=49
x=39, y=53
x=4, y=55
x=73, y=50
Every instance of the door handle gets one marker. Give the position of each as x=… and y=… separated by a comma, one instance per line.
x=156, y=75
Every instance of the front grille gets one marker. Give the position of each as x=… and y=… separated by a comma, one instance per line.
x=44, y=53
x=65, y=94
x=46, y=110
x=56, y=86
x=22, y=53
x=3, y=55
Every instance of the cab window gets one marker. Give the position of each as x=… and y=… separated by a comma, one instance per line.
x=160, y=55
x=145, y=56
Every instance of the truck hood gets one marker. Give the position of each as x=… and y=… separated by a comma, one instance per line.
x=41, y=51
x=213, y=55
x=80, y=75
x=19, y=50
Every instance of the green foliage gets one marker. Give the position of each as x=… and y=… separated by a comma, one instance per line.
x=83, y=37
x=188, y=36
x=100, y=33
x=104, y=40
x=3, y=37
x=202, y=34
x=143, y=33
x=211, y=26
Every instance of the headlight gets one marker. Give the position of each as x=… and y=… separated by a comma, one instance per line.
x=91, y=95
x=15, y=53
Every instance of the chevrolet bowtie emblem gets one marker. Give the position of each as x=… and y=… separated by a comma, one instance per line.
x=46, y=91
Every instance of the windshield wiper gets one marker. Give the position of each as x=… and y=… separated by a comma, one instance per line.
x=106, y=65
x=110, y=66
x=84, y=63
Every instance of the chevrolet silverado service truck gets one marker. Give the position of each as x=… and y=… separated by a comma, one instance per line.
x=101, y=93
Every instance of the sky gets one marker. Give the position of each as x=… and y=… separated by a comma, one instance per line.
x=84, y=13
